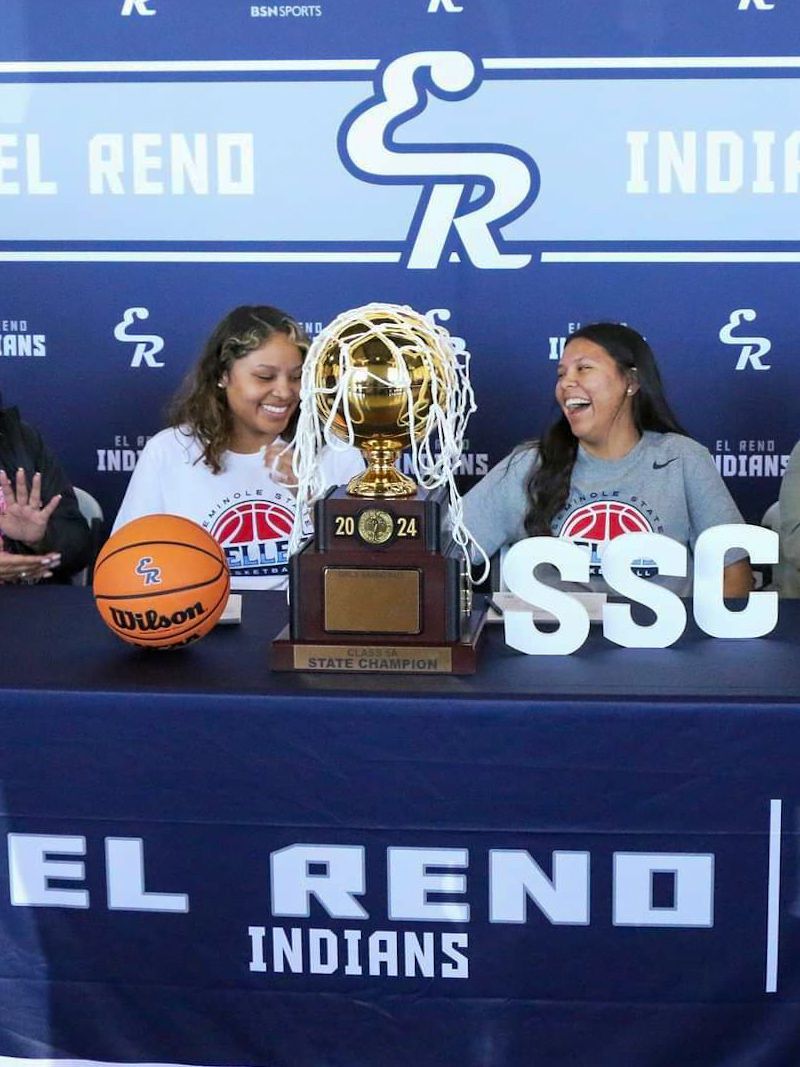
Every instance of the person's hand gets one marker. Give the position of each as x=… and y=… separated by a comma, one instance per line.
x=25, y=517
x=278, y=461
x=26, y=569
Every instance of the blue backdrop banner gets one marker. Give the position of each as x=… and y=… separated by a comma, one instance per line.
x=514, y=169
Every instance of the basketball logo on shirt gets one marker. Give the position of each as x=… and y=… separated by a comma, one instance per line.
x=254, y=534
x=594, y=525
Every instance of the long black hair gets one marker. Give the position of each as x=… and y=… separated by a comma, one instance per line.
x=548, y=485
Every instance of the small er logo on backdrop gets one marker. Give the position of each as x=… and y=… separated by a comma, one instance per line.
x=148, y=345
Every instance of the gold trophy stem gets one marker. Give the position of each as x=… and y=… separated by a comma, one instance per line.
x=381, y=478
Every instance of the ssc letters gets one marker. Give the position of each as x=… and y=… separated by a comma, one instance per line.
x=758, y=617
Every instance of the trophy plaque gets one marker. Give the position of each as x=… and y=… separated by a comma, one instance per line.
x=383, y=585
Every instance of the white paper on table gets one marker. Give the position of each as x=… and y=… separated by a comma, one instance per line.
x=505, y=601
x=233, y=610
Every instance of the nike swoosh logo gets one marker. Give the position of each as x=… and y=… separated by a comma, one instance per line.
x=658, y=466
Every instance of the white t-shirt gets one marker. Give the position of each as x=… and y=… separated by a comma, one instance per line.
x=242, y=507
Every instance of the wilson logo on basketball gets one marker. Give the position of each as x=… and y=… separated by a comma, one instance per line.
x=254, y=535
x=146, y=621
x=595, y=524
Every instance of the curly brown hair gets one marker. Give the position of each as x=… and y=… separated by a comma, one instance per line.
x=201, y=406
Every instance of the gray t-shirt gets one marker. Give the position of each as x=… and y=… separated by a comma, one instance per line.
x=666, y=484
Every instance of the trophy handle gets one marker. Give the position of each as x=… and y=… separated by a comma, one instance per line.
x=381, y=478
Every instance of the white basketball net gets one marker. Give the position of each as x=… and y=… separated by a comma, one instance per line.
x=436, y=443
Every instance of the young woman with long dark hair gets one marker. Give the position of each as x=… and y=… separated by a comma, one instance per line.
x=225, y=460
x=615, y=461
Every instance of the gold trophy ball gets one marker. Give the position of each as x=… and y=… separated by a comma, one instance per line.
x=389, y=356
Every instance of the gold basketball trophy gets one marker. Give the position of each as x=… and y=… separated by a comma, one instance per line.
x=384, y=584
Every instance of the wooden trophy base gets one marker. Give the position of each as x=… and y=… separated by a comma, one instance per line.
x=352, y=657
x=380, y=588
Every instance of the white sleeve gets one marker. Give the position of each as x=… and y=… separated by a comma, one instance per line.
x=339, y=466
x=144, y=495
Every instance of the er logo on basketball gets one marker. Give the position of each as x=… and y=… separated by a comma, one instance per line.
x=254, y=534
x=595, y=524
x=151, y=574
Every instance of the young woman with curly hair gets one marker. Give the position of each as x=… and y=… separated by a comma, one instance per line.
x=225, y=460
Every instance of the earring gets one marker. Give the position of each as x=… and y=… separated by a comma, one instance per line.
x=220, y=384
x=629, y=391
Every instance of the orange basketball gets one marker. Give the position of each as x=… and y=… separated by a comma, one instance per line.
x=161, y=581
